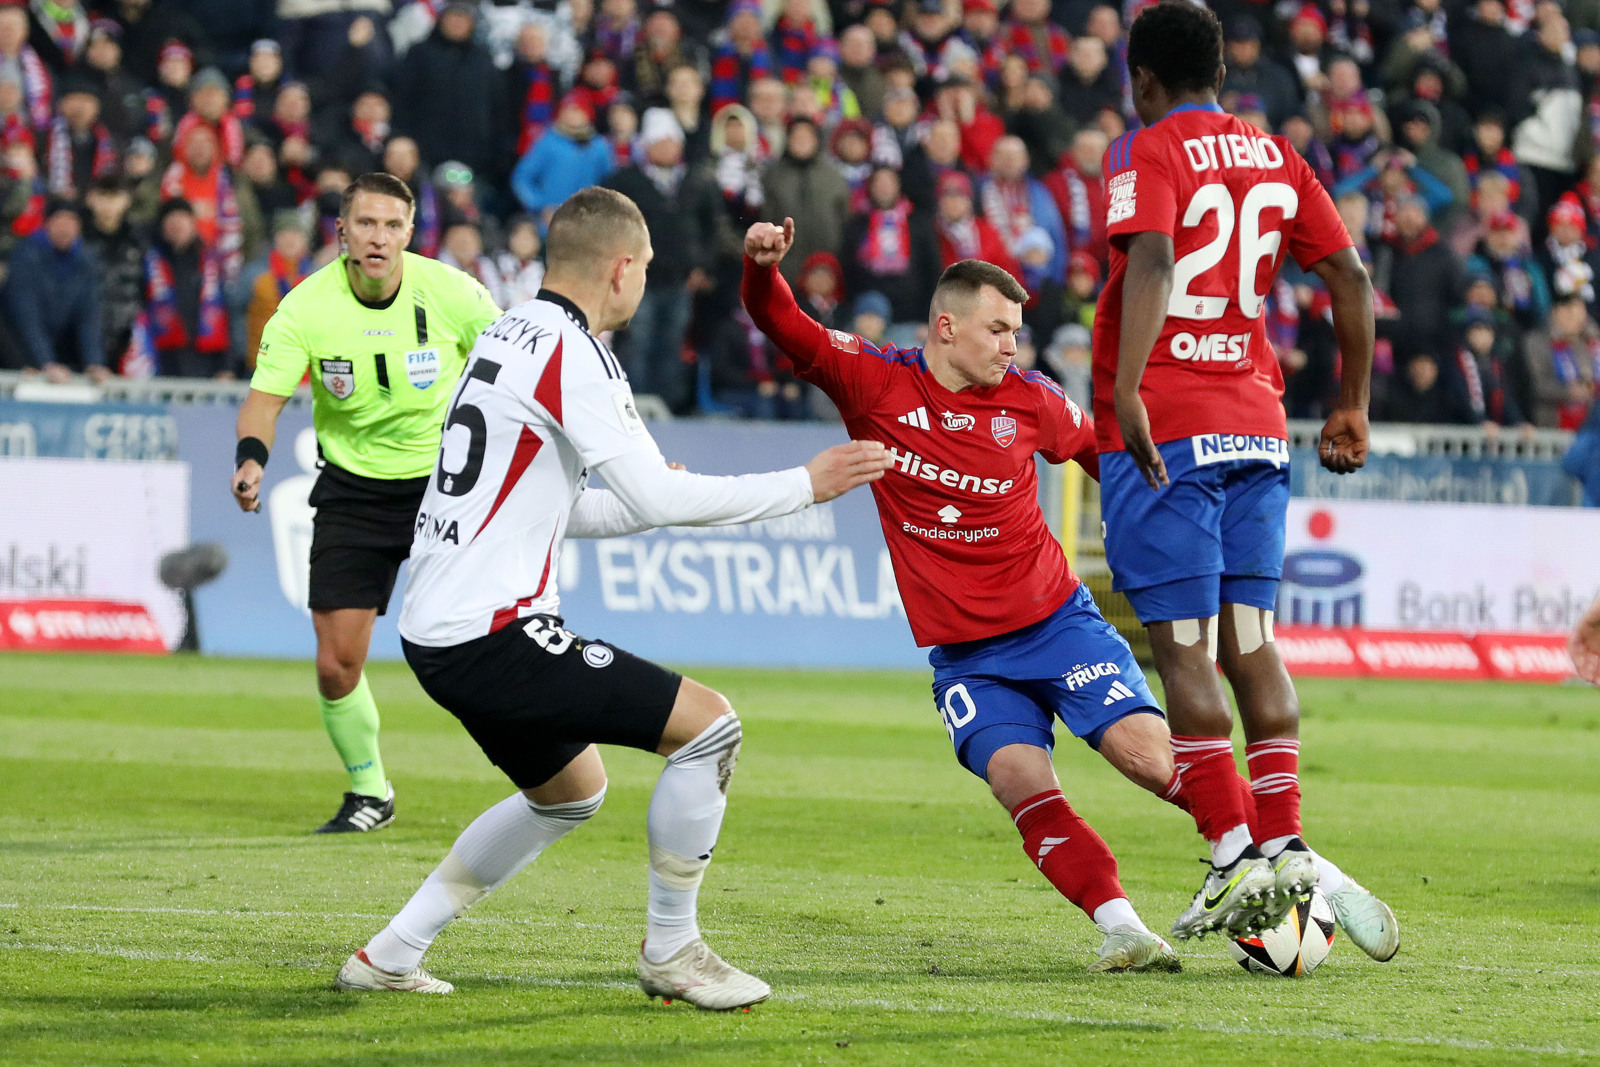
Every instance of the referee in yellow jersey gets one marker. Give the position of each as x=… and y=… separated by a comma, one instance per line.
x=385, y=335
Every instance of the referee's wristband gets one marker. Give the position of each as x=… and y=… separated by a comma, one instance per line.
x=250, y=448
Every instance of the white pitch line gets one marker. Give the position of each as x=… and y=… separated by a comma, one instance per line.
x=478, y=920
x=883, y=1004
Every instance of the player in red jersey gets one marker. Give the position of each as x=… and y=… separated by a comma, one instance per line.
x=1201, y=209
x=1017, y=640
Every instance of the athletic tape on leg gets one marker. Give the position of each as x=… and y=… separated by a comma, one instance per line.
x=1247, y=626
x=1188, y=632
x=675, y=871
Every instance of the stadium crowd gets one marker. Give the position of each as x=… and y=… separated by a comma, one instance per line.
x=171, y=168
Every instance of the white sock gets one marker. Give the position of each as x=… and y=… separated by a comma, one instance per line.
x=685, y=817
x=1273, y=847
x=1118, y=912
x=497, y=845
x=1329, y=877
x=1230, y=846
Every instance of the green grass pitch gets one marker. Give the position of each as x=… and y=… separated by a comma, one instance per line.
x=161, y=901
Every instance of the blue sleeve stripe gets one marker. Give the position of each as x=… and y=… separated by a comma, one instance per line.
x=1034, y=377
x=903, y=357
x=1120, y=153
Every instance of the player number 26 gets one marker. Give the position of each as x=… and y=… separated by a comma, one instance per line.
x=1254, y=246
x=955, y=718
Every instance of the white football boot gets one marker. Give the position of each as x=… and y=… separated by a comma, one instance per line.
x=1369, y=922
x=1238, y=899
x=1295, y=869
x=701, y=977
x=1128, y=949
x=358, y=973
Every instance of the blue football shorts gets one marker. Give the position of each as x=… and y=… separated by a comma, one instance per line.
x=1215, y=535
x=1010, y=689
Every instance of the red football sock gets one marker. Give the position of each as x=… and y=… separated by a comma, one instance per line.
x=1067, y=850
x=1207, y=785
x=1275, y=785
x=1250, y=813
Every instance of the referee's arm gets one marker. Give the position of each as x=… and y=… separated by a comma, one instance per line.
x=281, y=361
x=258, y=419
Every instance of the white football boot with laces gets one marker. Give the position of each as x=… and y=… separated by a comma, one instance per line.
x=1369, y=922
x=1130, y=949
x=358, y=973
x=1239, y=898
x=701, y=977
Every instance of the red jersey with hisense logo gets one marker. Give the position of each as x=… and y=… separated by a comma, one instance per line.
x=1234, y=201
x=973, y=556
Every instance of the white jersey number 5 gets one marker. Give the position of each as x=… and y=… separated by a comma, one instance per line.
x=1254, y=246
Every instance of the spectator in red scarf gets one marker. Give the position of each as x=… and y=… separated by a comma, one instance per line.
x=208, y=106
x=290, y=117
x=1025, y=214
x=15, y=52
x=184, y=299
x=1492, y=371
x=1491, y=155
x=1035, y=38
x=1565, y=256
x=224, y=209
x=1079, y=191
x=532, y=87
x=255, y=90
x=77, y=146
x=793, y=39
x=1562, y=360
x=288, y=262
x=891, y=248
x=964, y=234
x=739, y=55
x=168, y=98
x=360, y=142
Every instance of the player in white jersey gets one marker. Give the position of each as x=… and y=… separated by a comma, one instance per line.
x=541, y=404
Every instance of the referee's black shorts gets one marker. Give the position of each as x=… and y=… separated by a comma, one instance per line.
x=360, y=536
x=533, y=695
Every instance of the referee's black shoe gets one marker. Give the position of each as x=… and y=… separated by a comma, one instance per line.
x=360, y=814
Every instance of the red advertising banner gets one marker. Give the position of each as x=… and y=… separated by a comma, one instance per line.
x=1526, y=657
x=1350, y=653
x=78, y=626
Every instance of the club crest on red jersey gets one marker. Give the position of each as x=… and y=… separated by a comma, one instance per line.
x=1004, y=428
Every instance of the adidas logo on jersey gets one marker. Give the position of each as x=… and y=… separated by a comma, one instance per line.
x=1117, y=692
x=917, y=418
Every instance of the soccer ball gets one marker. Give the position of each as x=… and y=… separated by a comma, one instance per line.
x=1293, y=948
